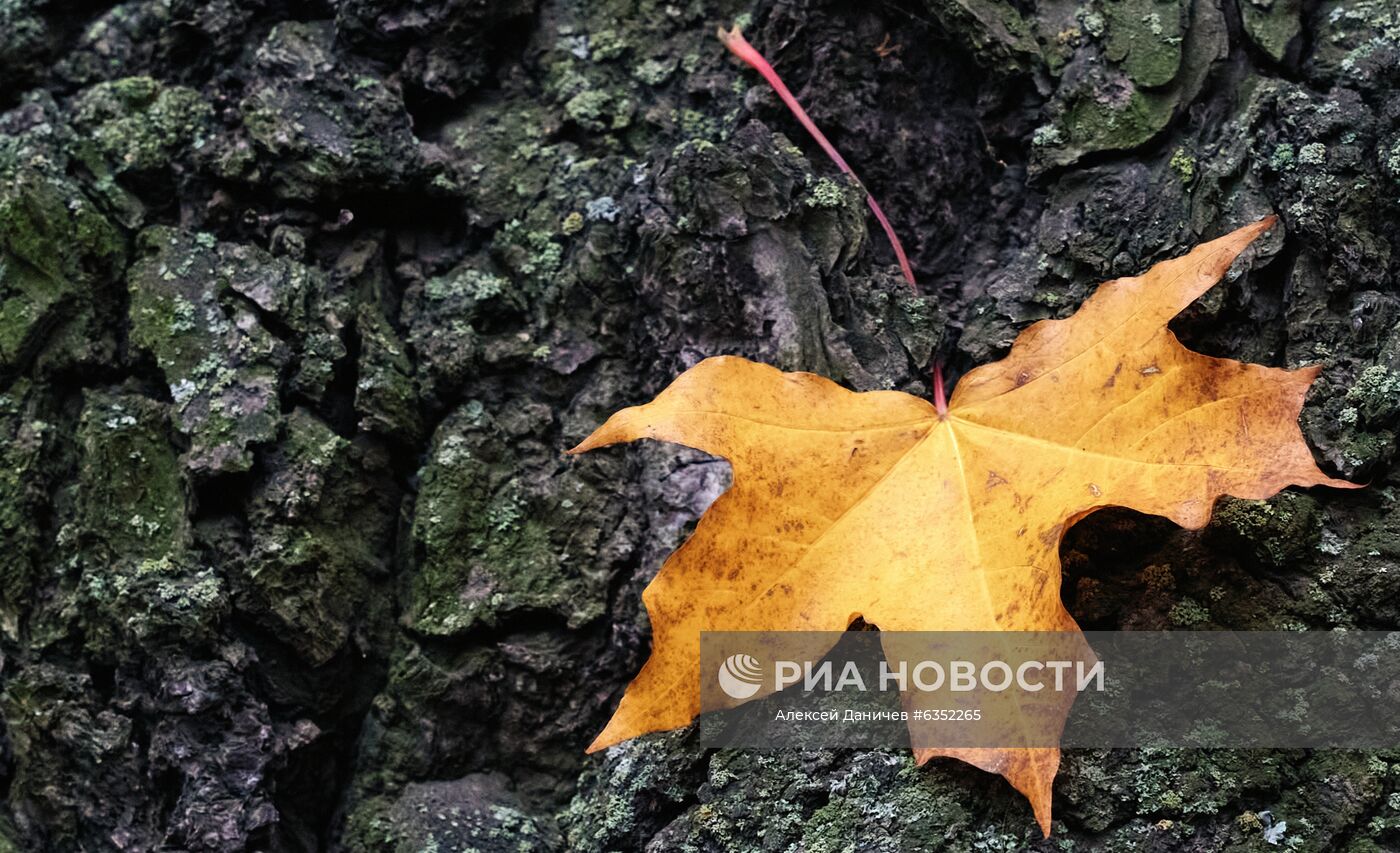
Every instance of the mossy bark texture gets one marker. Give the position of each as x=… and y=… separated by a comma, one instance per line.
x=301, y=302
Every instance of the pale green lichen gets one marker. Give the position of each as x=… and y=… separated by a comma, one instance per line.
x=1375, y=394
x=1189, y=613
x=1184, y=165
x=1094, y=23
x=1283, y=158
x=531, y=253
x=1046, y=135
x=654, y=72
x=825, y=193
x=1312, y=154
x=466, y=282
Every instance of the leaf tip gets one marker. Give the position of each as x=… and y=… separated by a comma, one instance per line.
x=597, y=439
x=614, y=733
x=1257, y=229
x=612, y=431
x=1043, y=817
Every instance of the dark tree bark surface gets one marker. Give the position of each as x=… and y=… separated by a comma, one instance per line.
x=301, y=302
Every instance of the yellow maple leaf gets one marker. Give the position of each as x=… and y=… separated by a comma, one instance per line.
x=875, y=505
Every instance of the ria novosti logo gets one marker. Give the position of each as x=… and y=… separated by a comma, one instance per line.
x=740, y=676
